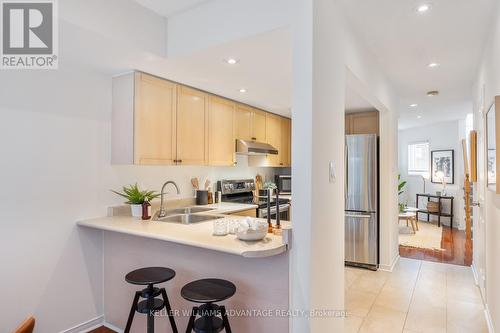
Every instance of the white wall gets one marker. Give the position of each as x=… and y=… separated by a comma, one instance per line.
x=324, y=47
x=487, y=230
x=441, y=136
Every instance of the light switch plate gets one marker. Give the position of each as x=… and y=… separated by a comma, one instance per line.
x=332, y=173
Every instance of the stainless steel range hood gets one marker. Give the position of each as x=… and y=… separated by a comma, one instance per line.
x=247, y=147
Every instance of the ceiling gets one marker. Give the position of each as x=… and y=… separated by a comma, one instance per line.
x=451, y=33
x=169, y=7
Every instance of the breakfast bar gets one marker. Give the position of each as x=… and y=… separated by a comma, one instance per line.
x=259, y=269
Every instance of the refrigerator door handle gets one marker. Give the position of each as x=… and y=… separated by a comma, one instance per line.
x=359, y=216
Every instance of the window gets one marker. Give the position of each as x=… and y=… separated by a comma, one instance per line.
x=418, y=158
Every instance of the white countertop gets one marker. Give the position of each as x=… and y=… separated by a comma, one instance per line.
x=196, y=234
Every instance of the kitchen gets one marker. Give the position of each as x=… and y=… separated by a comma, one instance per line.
x=161, y=123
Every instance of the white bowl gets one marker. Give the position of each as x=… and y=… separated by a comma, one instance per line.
x=252, y=235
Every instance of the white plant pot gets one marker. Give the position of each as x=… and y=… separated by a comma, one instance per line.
x=136, y=210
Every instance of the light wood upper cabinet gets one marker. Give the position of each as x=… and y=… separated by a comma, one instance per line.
x=192, y=126
x=159, y=122
x=154, y=118
x=362, y=123
x=286, y=143
x=221, y=131
x=259, y=125
x=273, y=128
x=243, y=122
x=250, y=123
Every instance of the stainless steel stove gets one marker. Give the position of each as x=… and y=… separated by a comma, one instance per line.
x=242, y=191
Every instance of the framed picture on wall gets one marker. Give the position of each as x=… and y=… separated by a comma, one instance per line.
x=443, y=166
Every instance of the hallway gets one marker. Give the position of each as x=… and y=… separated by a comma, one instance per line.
x=418, y=296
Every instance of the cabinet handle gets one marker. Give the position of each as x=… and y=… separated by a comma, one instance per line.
x=179, y=161
x=281, y=163
x=254, y=138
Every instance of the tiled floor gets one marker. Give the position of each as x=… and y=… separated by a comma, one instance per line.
x=417, y=297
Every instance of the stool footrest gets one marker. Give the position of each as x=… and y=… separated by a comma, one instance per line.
x=144, y=307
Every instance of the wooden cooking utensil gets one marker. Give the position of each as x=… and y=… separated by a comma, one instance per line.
x=195, y=183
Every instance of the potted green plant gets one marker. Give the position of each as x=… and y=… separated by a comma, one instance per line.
x=135, y=198
x=269, y=186
x=401, y=186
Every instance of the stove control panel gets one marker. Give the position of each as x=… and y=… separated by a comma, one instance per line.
x=236, y=186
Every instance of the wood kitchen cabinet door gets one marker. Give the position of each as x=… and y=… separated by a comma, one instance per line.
x=154, y=120
x=192, y=126
x=273, y=126
x=259, y=125
x=364, y=123
x=286, y=142
x=347, y=124
x=243, y=122
x=221, y=131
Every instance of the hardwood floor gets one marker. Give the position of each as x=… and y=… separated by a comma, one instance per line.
x=457, y=250
x=102, y=329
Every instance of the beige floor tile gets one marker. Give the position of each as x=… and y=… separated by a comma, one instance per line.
x=466, y=317
x=352, y=324
x=464, y=292
x=370, y=282
x=383, y=320
x=422, y=317
x=395, y=297
x=358, y=303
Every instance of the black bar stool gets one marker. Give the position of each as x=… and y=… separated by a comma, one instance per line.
x=213, y=317
x=150, y=276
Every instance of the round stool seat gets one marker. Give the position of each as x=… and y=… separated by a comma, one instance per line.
x=150, y=275
x=208, y=290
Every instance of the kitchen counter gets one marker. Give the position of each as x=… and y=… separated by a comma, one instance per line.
x=196, y=234
x=194, y=253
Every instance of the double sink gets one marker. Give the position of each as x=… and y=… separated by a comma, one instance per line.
x=187, y=215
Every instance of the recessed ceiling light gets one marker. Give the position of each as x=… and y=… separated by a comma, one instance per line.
x=243, y=90
x=231, y=61
x=433, y=64
x=419, y=117
x=423, y=8
x=414, y=105
x=432, y=93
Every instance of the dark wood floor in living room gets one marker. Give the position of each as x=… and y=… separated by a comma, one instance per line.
x=457, y=249
x=102, y=329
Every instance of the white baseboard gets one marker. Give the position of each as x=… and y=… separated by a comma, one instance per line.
x=474, y=273
x=87, y=326
x=389, y=268
x=112, y=327
x=489, y=321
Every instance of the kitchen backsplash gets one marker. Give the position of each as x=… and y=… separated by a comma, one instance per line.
x=153, y=177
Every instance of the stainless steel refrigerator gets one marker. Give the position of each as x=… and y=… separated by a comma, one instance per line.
x=361, y=201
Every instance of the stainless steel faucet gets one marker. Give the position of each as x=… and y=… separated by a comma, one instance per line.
x=163, y=208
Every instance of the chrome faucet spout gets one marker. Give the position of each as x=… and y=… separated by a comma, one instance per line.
x=163, y=208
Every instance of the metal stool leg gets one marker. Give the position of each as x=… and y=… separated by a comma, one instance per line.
x=190, y=326
x=132, y=312
x=169, y=310
x=225, y=320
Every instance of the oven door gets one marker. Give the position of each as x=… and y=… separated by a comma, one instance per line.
x=284, y=212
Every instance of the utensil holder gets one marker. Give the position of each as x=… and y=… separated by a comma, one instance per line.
x=202, y=197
